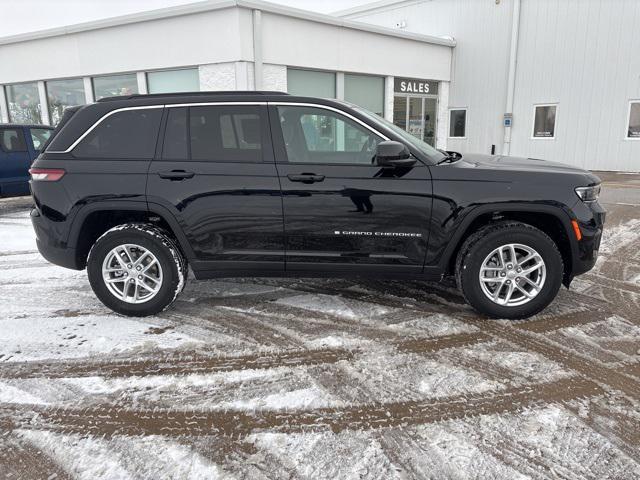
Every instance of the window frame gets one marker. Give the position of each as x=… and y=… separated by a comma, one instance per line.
x=278, y=136
x=628, y=122
x=466, y=118
x=555, y=121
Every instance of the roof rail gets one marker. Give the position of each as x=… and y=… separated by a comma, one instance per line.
x=191, y=94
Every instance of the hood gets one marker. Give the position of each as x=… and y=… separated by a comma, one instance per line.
x=521, y=164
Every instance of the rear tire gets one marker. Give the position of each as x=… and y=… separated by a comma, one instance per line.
x=136, y=269
x=534, y=284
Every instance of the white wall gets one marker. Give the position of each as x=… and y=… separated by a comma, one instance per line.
x=303, y=43
x=480, y=59
x=585, y=56
x=581, y=54
x=207, y=37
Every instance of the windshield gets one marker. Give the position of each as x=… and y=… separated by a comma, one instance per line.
x=432, y=153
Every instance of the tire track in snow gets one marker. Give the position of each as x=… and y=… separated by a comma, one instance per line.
x=174, y=363
x=568, y=358
x=19, y=459
x=110, y=420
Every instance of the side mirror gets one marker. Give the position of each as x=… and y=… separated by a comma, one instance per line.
x=393, y=154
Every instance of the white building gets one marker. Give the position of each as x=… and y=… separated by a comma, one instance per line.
x=566, y=74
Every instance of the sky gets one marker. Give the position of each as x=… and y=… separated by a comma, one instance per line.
x=21, y=16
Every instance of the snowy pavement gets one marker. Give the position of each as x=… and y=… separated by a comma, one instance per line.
x=290, y=378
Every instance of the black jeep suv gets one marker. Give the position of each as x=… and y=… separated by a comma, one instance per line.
x=138, y=188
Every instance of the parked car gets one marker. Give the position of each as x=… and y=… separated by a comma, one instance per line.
x=19, y=146
x=257, y=183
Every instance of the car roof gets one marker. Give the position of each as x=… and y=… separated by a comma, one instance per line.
x=25, y=125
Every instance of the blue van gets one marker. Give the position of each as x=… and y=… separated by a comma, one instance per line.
x=19, y=146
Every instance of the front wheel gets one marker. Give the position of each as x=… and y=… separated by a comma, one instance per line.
x=509, y=270
x=136, y=269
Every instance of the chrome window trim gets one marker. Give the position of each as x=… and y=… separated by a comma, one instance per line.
x=333, y=109
x=202, y=104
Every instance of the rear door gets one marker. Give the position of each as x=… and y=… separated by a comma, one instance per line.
x=216, y=175
x=14, y=162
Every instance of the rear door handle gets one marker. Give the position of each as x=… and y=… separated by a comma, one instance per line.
x=176, y=175
x=306, y=178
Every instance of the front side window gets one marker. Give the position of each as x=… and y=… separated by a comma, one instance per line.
x=316, y=135
x=114, y=85
x=457, y=123
x=128, y=134
x=12, y=140
x=39, y=136
x=544, y=122
x=633, y=128
x=62, y=94
x=24, y=103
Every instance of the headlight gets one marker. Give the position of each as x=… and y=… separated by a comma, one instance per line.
x=588, y=194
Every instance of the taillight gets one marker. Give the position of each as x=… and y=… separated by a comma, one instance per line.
x=46, y=174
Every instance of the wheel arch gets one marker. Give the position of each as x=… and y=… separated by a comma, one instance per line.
x=552, y=220
x=93, y=220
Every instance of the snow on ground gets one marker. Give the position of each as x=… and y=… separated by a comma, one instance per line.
x=280, y=378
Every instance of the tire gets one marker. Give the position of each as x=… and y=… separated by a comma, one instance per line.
x=481, y=248
x=161, y=274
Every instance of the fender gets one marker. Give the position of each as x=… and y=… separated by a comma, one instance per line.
x=561, y=212
x=133, y=206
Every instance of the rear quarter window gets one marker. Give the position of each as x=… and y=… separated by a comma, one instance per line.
x=128, y=134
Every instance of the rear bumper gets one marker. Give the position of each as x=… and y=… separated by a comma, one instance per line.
x=49, y=246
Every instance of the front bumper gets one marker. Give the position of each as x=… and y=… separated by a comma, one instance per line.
x=591, y=218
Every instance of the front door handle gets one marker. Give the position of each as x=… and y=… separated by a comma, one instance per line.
x=306, y=178
x=176, y=175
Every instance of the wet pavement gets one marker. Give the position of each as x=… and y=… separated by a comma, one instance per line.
x=296, y=378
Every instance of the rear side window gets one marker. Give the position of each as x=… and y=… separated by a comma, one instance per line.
x=39, y=137
x=214, y=133
x=130, y=134
x=12, y=140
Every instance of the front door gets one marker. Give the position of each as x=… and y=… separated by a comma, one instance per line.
x=341, y=211
x=417, y=115
x=217, y=176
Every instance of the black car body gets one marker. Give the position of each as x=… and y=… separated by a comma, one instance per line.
x=260, y=183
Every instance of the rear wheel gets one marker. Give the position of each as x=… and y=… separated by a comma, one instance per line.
x=136, y=269
x=509, y=270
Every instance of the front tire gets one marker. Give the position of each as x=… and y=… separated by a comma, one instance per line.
x=509, y=270
x=136, y=269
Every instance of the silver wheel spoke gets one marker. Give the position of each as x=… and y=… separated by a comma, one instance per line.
x=512, y=274
x=122, y=277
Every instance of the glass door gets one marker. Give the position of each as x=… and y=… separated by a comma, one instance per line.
x=416, y=115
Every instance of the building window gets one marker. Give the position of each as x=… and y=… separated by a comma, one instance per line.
x=458, y=123
x=114, y=85
x=544, y=121
x=366, y=91
x=62, y=94
x=24, y=103
x=130, y=134
x=311, y=83
x=633, y=126
x=172, y=81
